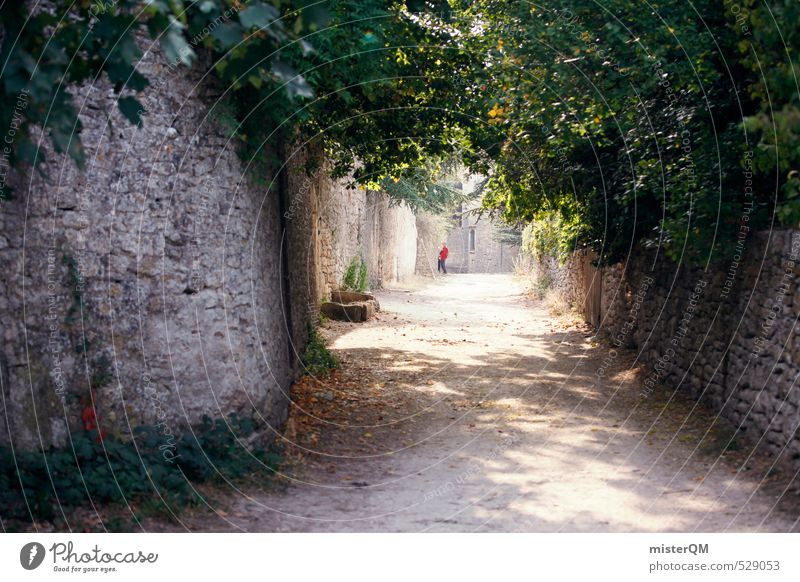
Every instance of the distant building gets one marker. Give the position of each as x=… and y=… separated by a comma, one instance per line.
x=473, y=245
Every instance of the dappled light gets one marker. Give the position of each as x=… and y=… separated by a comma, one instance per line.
x=513, y=431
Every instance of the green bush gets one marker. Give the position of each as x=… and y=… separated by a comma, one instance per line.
x=356, y=275
x=317, y=359
x=39, y=485
x=362, y=277
x=550, y=235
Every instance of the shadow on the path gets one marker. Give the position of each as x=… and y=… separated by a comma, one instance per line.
x=501, y=442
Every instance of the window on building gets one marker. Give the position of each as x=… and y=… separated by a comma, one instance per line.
x=472, y=239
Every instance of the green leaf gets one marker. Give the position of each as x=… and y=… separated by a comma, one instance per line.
x=228, y=35
x=258, y=16
x=176, y=49
x=316, y=17
x=131, y=109
x=296, y=85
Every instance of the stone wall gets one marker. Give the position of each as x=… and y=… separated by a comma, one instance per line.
x=724, y=336
x=564, y=278
x=331, y=224
x=325, y=223
x=432, y=230
x=575, y=280
x=390, y=240
x=153, y=277
x=161, y=284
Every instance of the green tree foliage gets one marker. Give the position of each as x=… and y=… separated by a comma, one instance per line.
x=45, y=52
x=430, y=187
x=769, y=49
x=664, y=123
x=550, y=235
x=595, y=104
x=639, y=118
x=507, y=235
x=363, y=77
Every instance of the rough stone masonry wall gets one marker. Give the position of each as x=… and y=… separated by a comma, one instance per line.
x=328, y=224
x=576, y=280
x=154, y=276
x=390, y=240
x=726, y=336
x=432, y=230
x=344, y=223
x=565, y=278
x=325, y=231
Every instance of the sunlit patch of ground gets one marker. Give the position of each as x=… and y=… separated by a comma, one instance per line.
x=465, y=406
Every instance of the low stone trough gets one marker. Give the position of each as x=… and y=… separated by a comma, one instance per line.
x=350, y=306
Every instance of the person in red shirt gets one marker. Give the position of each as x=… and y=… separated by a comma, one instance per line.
x=441, y=266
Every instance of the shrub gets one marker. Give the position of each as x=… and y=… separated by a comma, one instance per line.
x=39, y=485
x=355, y=277
x=318, y=359
x=362, y=277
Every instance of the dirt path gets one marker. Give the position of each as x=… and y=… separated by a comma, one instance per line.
x=465, y=407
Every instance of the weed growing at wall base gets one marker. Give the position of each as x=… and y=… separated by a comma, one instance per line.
x=317, y=359
x=356, y=275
